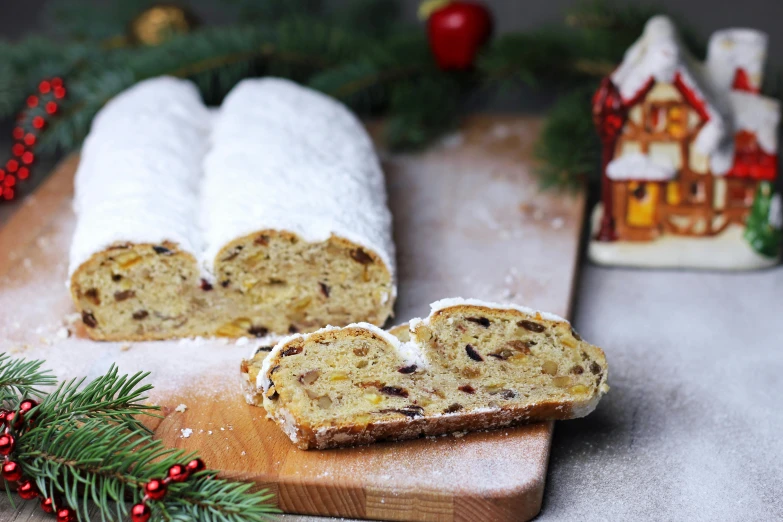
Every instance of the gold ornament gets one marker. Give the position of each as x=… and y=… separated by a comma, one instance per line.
x=160, y=22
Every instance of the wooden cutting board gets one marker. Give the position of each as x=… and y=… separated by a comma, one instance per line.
x=469, y=222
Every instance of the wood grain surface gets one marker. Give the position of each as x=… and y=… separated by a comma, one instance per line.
x=469, y=221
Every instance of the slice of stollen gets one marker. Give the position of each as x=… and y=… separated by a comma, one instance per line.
x=469, y=365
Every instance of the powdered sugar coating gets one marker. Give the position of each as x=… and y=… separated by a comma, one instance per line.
x=139, y=172
x=459, y=301
x=285, y=157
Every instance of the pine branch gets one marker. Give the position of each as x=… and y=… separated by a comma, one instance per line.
x=111, y=398
x=568, y=148
x=83, y=444
x=94, y=463
x=22, y=378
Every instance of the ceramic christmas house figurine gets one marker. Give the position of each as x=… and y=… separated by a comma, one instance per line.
x=689, y=155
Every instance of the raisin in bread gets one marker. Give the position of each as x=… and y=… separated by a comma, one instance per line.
x=269, y=216
x=470, y=365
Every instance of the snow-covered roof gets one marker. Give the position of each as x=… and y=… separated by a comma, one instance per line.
x=659, y=55
x=640, y=167
x=759, y=115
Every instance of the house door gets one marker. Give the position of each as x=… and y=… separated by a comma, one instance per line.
x=642, y=199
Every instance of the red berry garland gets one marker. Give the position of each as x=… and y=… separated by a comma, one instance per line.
x=40, y=108
x=156, y=489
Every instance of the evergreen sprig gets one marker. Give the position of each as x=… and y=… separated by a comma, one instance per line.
x=84, y=443
x=359, y=54
x=22, y=378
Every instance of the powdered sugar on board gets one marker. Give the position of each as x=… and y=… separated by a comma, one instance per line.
x=39, y=323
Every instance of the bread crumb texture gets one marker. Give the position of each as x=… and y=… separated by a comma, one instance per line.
x=466, y=367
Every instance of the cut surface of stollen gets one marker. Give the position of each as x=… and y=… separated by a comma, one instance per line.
x=470, y=365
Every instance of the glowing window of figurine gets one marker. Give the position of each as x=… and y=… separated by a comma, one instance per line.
x=641, y=204
x=673, y=196
x=677, y=122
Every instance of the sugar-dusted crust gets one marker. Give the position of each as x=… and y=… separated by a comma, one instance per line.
x=181, y=240
x=521, y=367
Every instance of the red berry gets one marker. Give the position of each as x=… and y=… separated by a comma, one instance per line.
x=27, y=490
x=17, y=149
x=8, y=193
x=28, y=157
x=66, y=515
x=140, y=513
x=12, y=165
x=155, y=489
x=50, y=107
x=178, y=473
x=29, y=139
x=38, y=122
x=12, y=470
x=3, y=413
x=196, y=465
x=27, y=405
x=13, y=418
x=10, y=181
x=18, y=133
x=32, y=101
x=44, y=87
x=57, y=82
x=6, y=444
x=59, y=92
x=23, y=173
x=47, y=504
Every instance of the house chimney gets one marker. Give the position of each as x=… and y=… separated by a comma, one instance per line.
x=735, y=59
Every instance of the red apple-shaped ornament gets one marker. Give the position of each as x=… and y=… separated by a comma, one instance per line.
x=457, y=30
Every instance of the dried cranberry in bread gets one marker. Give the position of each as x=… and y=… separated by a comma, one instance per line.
x=469, y=366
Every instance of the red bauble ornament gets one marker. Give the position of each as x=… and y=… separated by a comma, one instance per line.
x=66, y=515
x=6, y=444
x=140, y=513
x=178, y=473
x=12, y=471
x=457, y=31
x=196, y=465
x=27, y=490
x=155, y=489
x=47, y=504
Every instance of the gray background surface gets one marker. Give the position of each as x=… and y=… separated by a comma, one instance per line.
x=692, y=427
